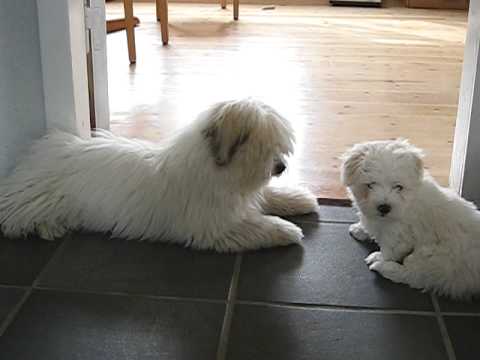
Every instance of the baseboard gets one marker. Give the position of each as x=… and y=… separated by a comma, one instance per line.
x=249, y=2
x=363, y=3
x=385, y=3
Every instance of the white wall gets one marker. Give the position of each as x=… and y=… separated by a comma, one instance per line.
x=22, y=112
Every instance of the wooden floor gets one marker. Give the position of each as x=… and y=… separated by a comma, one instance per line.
x=341, y=75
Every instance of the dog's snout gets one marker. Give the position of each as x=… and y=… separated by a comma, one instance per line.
x=384, y=209
x=279, y=168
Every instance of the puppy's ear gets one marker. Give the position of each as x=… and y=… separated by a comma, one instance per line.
x=419, y=166
x=351, y=165
x=226, y=133
x=415, y=155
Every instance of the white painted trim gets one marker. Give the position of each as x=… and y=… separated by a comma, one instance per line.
x=63, y=53
x=465, y=169
x=98, y=48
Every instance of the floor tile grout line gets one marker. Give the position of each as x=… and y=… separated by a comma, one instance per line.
x=19, y=287
x=54, y=256
x=466, y=314
x=131, y=295
x=13, y=313
x=447, y=342
x=231, y=300
x=336, y=308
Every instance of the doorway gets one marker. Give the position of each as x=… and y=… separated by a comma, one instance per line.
x=341, y=75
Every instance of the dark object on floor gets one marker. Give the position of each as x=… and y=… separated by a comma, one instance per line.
x=335, y=202
x=269, y=7
x=370, y=3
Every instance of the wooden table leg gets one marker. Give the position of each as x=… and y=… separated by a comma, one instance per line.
x=223, y=4
x=130, y=28
x=162, y=16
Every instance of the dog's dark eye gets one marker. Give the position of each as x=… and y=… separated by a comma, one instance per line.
x=398, y=188
x=371, y=185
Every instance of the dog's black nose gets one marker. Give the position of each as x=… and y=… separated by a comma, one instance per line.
x=384, y=209
x=279, y=168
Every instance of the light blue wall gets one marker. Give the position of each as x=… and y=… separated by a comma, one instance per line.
x=22, y=112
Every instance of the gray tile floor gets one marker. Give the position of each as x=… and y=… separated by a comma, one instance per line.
x=89, y=297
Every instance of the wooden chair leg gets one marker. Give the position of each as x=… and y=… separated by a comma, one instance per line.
x=236, y=4
x=162, y=16
x=223, y=4
x=158, y=7
x=115, y=25
x=130, y=28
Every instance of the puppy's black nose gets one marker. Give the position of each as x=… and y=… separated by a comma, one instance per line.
x=279, y=168
x=384, y=209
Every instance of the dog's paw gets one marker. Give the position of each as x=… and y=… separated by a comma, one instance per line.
x=377, y=266
x=259, y=233
x=373, y=258
x=306, y=202
x=358, y=232
x=389, y=270
x=288, y=234
x=50, y=233
x=288, y=201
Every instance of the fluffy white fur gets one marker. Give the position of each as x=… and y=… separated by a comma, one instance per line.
x=206, y=188
x=429, y=237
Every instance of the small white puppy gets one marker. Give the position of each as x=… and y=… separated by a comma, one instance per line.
x=429, y=237
x=206, y=188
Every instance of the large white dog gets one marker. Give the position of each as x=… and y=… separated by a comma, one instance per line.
x=429, y=237
x=206, y=188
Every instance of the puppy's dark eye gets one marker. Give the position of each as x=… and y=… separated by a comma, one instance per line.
x=398, y=188
x=371, y=185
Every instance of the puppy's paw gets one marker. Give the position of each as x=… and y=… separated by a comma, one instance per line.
x=390, y=270
x=358, y=232
x=373, y=258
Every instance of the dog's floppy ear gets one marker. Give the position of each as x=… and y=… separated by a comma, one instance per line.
x=351, y=165
x=416, y=155
x=226, y=133
x=419, y=165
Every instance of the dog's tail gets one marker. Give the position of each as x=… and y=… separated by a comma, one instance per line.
x=29, y=194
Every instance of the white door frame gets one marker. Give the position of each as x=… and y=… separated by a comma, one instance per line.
x=465, y=170
x=97, y=47
x=63, y=52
